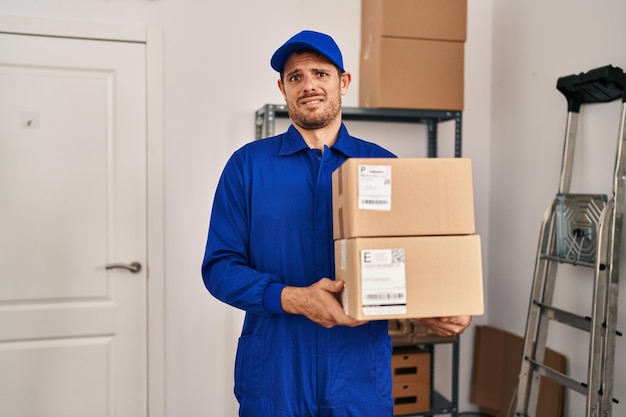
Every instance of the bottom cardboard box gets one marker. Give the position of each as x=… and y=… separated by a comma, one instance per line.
x=411, y=397
x=410, y=277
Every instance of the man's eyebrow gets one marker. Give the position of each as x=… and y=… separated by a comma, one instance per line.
x=323, y=69
x=296, y=71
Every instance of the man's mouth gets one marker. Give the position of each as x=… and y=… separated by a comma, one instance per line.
x=309, y=101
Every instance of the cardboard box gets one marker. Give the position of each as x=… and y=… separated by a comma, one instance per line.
x=403, y=197
x=410, y=277
x=495, y=374
x=411, y=397
x=410, y=364
x=416, y=19
x=412, y=74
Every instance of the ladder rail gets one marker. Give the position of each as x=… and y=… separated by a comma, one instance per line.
x=541, y=337
x=597, y=336
x=541, y=271
x=615, y=250
x=571, y=128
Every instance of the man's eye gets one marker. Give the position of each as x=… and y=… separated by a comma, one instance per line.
x=322, y=74
x=294, y=78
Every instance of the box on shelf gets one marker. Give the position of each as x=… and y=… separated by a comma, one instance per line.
x=403, y=197
x=412, y=74
x=410, y=364
x=416, y=19
x=412, y=54
x=410, y=277
x=410, y=397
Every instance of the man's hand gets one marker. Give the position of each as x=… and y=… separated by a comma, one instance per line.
x=446, y=326
x=318, y=302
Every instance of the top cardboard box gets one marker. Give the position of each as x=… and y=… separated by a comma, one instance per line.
x=384, y=197
x=413, y=19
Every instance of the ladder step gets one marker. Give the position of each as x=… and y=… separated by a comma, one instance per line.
x=578, y=217
x=561, y=378
x=568, y=318
x=557, y=376
x=564, y=260
x=565, y=317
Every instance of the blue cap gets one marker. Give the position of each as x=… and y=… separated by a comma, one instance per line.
x=307, y=40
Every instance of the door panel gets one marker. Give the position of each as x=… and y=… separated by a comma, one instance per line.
x=72, y=200
x=70, y=369
x=53, y=179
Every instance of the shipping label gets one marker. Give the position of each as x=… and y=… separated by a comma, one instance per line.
x=375, y=187
x=383, y=282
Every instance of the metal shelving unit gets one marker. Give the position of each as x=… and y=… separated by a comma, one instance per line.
x=264, y=122
x=266, y=115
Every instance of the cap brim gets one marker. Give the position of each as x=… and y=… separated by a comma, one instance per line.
x=283, y=53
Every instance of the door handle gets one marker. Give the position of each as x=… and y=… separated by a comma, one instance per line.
x=134, y=267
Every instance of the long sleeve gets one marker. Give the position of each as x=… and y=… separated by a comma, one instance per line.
x=226, y=266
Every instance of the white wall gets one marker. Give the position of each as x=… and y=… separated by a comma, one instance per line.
x=535, y=43
x=217, y=73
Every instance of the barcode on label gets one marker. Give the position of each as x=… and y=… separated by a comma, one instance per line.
x=367, y=201
x=385, y=296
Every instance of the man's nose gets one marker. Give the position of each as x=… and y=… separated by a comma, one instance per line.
x=309, y=83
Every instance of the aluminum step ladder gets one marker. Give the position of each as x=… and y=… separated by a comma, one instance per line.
x=581, y=230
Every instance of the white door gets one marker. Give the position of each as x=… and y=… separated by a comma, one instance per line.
x=73, y=333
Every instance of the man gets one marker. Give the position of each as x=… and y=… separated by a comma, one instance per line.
x=270, y=252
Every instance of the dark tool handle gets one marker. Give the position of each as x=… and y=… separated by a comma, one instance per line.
x=600, y=85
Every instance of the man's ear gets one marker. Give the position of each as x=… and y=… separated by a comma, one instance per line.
x=344, y=82
x=281, y=87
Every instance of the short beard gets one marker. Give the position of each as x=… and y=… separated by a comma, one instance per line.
x=317, y=121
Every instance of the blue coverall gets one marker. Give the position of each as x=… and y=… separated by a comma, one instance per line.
x=271, y=226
